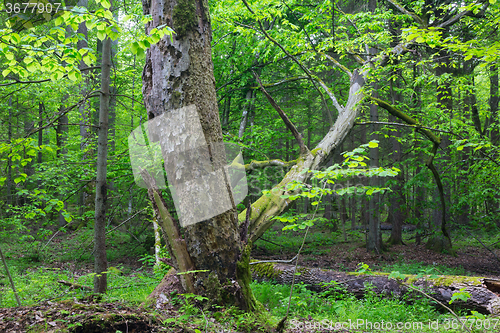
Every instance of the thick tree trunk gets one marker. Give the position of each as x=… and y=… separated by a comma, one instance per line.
x=484, y=292
x=179, y=73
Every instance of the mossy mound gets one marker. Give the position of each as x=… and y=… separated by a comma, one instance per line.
x=440, y=244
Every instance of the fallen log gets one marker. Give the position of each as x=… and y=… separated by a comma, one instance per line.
x=72, y=285
x=484, y=292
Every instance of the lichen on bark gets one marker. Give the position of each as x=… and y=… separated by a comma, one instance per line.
x=184, y=16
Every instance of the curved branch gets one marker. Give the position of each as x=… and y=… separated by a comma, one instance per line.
x=254, y=165
x=457, y=17
x=404, y=125
x=288, y=79
x=436, y=142
x=406, y=118
x=304, y=68
x=403, y=10
x=439, y=184
x=286, y=120
x=336, y=63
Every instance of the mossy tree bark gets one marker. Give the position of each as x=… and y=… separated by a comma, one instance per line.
x=179, y=73
x=484, y=292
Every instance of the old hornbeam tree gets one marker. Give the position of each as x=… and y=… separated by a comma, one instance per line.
x=178, y=73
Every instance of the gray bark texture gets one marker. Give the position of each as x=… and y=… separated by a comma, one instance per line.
x=484, y=292
x=100, y=260
x=179, y=73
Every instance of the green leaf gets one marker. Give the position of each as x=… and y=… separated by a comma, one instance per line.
x=134, y=47
x=73, y=75
x=15, y=37
x=90, y=24
x=101, y=35
x=67, y=216
x=59, y=20
x=33, y=66
x=105, y=4
x=373, y=144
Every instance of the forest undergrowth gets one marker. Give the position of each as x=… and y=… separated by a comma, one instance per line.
x=49, y=305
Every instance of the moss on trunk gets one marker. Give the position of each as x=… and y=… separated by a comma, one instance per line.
x=245, y=278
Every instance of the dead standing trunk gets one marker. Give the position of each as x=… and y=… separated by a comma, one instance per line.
x=179, y=73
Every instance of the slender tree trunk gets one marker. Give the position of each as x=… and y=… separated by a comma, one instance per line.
x=444, y=99
x=62, y=150
x=494, y=104
x=9, y=161
x=131, y=196
x=397, y=197
x=250, y=95
x=343, y=216
x=352, y=199
x=374, y=235
x=100, y=260
x=85, y=117
x=419, y=209
x=40, y=132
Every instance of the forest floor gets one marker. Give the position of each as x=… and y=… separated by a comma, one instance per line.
x=85, y=314
x=470, y=260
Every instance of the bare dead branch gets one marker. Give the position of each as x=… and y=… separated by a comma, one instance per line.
x=459, y=16
x=254, y=165
x=286, y=120
x=403, y=10
x=304, y=68
x=404, y=125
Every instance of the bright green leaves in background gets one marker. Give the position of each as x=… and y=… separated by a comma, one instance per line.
x=21, y=153
x=324, y=179
x=50, y=52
